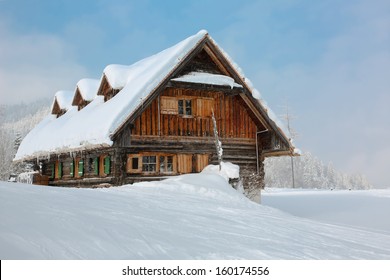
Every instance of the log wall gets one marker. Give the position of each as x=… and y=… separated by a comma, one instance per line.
x=233, y=119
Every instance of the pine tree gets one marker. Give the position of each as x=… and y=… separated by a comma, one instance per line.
x=17, y=141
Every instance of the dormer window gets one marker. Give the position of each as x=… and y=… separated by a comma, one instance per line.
x=106, y=89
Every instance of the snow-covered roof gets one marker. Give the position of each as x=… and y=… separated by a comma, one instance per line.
x=95, y=124
x=63, y=99
x=88, y=88
x=207, y=78
x=117, y=75
x=99, y=120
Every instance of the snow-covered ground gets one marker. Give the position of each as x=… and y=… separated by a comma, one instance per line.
x=362, y=209
x=195, y=216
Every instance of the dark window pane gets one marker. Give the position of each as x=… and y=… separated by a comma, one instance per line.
x=170, y=163
x=181, y=107
x=162, y=164
x=188, y=108
x=134, y=164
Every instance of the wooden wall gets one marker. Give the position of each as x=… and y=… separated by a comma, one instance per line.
x=233, y=119
x=93, y=172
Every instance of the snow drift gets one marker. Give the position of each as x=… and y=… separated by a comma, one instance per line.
x=194, y=216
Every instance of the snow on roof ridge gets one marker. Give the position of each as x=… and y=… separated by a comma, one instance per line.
x=88, y=88
x=64, y=99
x=118, y=74
x=100, y=120
x=147, y=74
x=207, y=78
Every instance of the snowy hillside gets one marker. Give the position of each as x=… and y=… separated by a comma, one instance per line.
x=195, y=216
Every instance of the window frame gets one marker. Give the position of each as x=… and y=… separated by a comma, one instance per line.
x=103, y=170
x=79, y=168
x=129, y=166
x=165, y=163
x=182, y=109
x=148, y=163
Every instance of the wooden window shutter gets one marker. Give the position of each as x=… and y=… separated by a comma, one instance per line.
x=107, y=165
x=72, y=168
x=168, y=105
x=81, y=168
x=96, y=166
x=184, y=163
x=204, y=107
x=201, y=162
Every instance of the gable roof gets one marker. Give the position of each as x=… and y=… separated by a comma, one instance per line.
x=100, y=121
x=62, y=102
x=88, y=88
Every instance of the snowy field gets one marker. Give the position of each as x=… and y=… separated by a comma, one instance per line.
x=196, y=216
x=362, y=209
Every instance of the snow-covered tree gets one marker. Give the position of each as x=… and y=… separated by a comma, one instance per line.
x=15, y=122
x=310, y=172
x=218, y=144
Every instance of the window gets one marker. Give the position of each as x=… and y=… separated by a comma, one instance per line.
x=166, y=164
x=188, y=107
x=52, y=170
x=152, y=163
x=185, y=107
x=134, y=165
x=149, y=163
x=90, y=165
x=103, y=165
x=181, y=107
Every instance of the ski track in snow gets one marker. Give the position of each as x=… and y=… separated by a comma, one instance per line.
x=186, y=217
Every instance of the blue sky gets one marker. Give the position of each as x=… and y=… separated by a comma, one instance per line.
x=329, y=60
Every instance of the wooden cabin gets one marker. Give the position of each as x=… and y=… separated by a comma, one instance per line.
x=153, y=119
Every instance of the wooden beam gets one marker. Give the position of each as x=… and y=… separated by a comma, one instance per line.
x=216, y=60
x=209, y=87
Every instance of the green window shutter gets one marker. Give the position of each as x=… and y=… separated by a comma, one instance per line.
x=107, y=165
x=96, y=165
x=81, y=168
x=72, y=168
x=60, y=170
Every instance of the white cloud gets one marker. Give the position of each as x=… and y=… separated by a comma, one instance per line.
x=35, y=66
